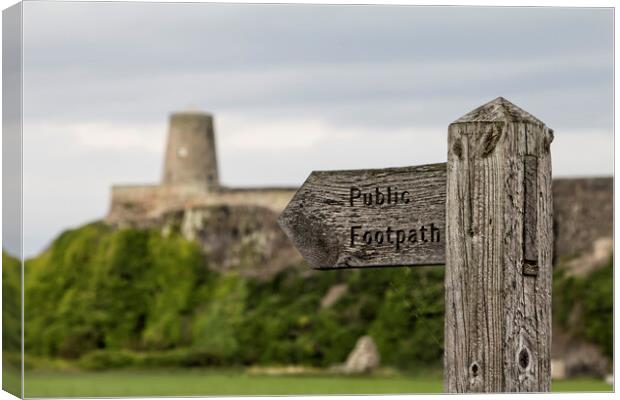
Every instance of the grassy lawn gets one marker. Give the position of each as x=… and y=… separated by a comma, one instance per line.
x=11, y=380
x=211, y=383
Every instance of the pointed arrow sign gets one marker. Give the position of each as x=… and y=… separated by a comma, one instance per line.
x=370, y=218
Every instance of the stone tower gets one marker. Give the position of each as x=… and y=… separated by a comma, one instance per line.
x=190, y=154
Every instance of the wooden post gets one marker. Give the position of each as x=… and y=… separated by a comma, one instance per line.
x=498, y=252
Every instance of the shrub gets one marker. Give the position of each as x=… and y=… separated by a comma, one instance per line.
x=106, y=298
x=584, y=305
x=107, y=359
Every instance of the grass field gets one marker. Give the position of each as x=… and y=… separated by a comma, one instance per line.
x=217, y=383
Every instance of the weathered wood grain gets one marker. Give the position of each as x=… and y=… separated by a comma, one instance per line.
x=320, y=217
x=498, y=252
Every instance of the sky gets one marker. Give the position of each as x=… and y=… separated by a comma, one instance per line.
x=293, y=88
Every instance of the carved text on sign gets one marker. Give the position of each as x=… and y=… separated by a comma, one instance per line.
x=370, y=218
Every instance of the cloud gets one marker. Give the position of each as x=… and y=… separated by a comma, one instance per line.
x=103, y=136
x=274, y=135
x=216, y=36
x=575, y=154
x=356, y=94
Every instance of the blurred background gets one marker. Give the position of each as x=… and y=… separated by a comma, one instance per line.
x=161, y=141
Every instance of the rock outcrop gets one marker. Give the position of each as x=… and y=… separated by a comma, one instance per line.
x=591, y=259
x=364, y=358
x=244, y=239
x=573, y=357
x=334, y=294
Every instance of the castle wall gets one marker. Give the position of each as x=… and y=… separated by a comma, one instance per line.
x=274, y=199
x=583, y=213
x=136, y=203
x=141, y=203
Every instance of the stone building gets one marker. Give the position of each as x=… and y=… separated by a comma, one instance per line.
x=190, y=179
x=190, y=153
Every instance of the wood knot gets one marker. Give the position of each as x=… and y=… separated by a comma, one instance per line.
x=457, y=148
x=524, y=358
x=474, y=368
x=547, y=140
x=489, y=140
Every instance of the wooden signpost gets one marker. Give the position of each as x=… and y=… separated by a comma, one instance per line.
x=380, y=217
x=486, y=215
